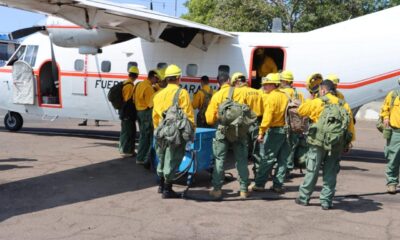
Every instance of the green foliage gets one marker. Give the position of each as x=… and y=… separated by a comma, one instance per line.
x=296, y=15
x=201, y=11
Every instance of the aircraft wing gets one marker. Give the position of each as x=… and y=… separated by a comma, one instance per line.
x=127, y=18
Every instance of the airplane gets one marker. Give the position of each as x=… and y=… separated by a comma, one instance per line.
x=66, y=67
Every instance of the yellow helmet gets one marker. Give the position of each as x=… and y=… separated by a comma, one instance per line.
x=313, y=82
x=160, y=73
x=271, y=78
x=172, y=71
x=134, y=69
x=235, y=77
x=287, y=76
x=334, y=78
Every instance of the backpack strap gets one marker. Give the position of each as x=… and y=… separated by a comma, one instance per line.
x=395, y=94
x=230, y=95
x=296, y=94
x=207, y=96
x=325, y=99
x=176, y=97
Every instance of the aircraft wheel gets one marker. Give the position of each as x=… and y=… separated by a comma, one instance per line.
x=13, y=121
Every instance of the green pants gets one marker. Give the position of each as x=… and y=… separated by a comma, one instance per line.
x=392, y=155
x=220, y=150
x=293, y=143
x=254, y=146
x=275, y=150
x=317, y=156
x=169, y=160
x=127, y=137
x=146, y=135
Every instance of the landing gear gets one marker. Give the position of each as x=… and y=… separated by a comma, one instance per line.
x=13, y=121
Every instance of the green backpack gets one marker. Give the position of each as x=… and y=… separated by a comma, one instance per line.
x=332, y=126
x=115, y=95
x=235, y=118
x=175, y=128
x=201, y=115
x=379, y=124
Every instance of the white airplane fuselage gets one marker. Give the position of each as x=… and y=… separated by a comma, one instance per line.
x=363, y=52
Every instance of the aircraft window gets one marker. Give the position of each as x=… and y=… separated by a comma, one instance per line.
x=223, y=69
x=161, y=65
x=130, y=64
x=17, y=55
x=79, y=64
x=106, y=66
x=30, y=55
x=191, y=70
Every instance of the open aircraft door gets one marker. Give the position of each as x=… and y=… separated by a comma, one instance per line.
x=23, y=83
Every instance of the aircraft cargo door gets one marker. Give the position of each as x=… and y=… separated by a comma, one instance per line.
x=23, y=83
x=266, y=60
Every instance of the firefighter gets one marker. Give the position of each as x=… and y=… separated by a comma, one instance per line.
x=272, y=134
x=292, y=93
x=390, y=114
x=128, y=125
x=201, y=100
x=312, y=84
x=170, y=156
x=318, y=156
x=221, y=144
x=144, y=105
x=335, y=79
x=253, y=98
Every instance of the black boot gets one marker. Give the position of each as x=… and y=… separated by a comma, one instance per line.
x=161, y=185
x=168, y=192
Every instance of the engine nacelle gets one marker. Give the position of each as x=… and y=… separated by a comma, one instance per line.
x=75, y=37
x=66, y=34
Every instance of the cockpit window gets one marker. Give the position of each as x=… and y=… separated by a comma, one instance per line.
x=26, y=53
x=17, y=55
x=30, y=55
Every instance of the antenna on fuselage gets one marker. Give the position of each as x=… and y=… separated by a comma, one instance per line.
x=276, y=25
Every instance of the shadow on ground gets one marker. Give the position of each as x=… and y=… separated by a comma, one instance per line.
x=72, y=186
x=359, y=155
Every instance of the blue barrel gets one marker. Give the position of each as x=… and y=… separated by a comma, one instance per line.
x=199, y=155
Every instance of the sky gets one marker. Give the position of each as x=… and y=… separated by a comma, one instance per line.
x=13, y=19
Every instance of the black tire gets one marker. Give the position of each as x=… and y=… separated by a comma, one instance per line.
x=13, y=121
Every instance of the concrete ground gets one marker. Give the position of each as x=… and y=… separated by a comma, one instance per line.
x=61, y=181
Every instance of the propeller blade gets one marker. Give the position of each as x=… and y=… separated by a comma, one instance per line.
x=20, y=33
x=54, y=69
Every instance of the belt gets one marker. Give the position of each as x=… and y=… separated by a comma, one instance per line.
x=396, y=130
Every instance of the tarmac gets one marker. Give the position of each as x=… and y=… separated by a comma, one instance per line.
x=61, y=181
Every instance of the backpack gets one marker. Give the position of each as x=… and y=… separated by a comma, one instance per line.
x=201, y=115
x=115, y=95
x=379, y=124
x=175, y=128
x=235, y=118
x=332, y=126
x=294, y=121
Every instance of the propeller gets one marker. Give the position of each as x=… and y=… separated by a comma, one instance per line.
x=21, y=33
x=54, y=69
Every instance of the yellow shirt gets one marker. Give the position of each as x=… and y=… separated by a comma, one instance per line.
x=313, y=109
x=291, y=93
x=199, y=97
x=143, y=95
x=127, y=90
x=253, y=99
x=339, y=95
x=393, y=114
x=164, y=99
x=220, y=97
x=274, y=111
x=268, y=66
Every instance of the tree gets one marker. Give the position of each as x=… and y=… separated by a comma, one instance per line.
x=201, y=11
x=296, y=15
